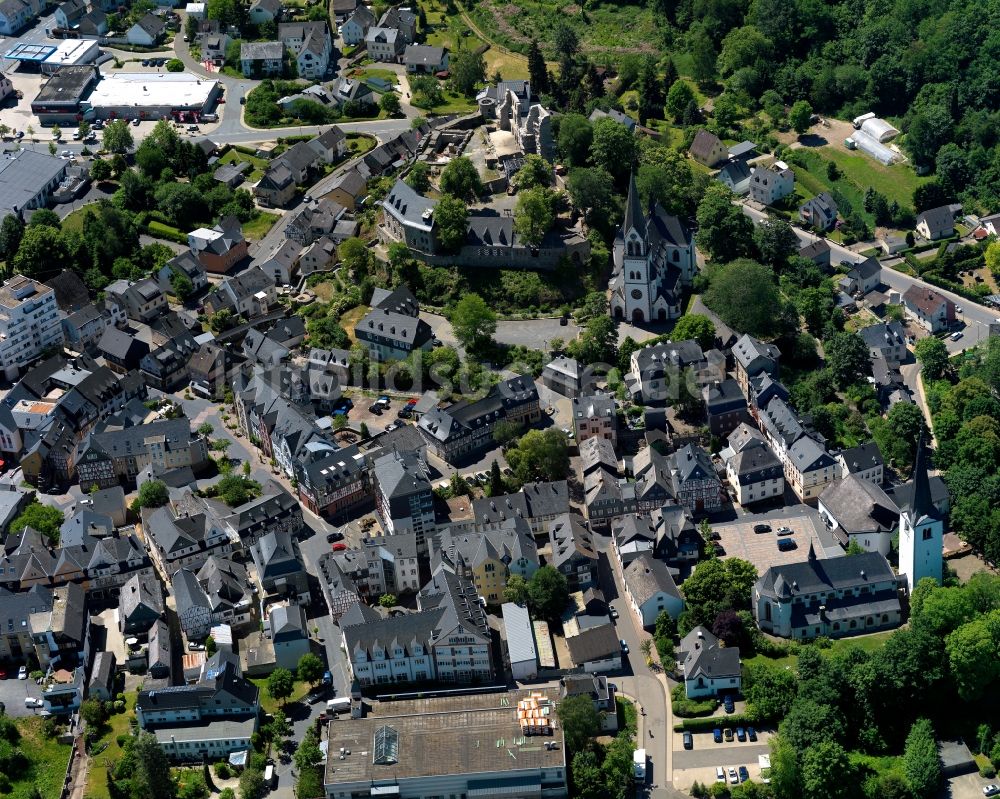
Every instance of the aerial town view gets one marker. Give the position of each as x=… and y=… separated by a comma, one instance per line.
x=495, y=400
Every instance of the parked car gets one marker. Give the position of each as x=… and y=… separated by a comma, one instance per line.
x=991, y=790
x=688, y=740
x=733, y=778
x=744, y=774
x=956, y=335
x=786, y=544
x=339, y=547
x=613, y=612
x=33, y=701
x=624, y=646
x=728, y=734
x=720, y=774
x=22, y=673
x=336, y=535
x=762, y=528
x=196, y=647
x=741, y=734
x=751, y=733
x=727, y=703
x=784, y=531
x=135, y=122
x=327, y=678
x=375, y=409
x=717, y=735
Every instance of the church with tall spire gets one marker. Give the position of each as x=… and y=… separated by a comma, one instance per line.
x=654, y=260
x=921, y=528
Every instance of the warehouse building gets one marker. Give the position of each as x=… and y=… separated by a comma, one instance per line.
x=147, y=95
x=47, y=58
x=61, y=96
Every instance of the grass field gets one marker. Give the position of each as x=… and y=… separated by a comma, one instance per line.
x=450, y=32
x=48, y=761
x=258, y=165
x=360, y=143
x=97, y=781
x=351, y=318
x=73, y=223
x=257, y=227
x=867, y=643
x=299, y=690
x=896, y=182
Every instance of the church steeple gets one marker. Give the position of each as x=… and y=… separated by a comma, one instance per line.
x=812, y=552
x=635, y=219
x=921, y=505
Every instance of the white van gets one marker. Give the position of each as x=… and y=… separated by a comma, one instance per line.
x=269, y=776
x=338, y=704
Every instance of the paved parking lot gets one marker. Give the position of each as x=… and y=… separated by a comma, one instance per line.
x=13, y=692
x=965, y=786
x=761, y=549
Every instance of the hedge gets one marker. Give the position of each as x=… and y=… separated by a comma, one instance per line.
x=711, y=722
x=162, y=231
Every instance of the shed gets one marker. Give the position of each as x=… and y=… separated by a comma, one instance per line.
x=520, y=641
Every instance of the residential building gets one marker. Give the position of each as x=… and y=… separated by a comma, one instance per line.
x=250, y=293
x=725, y=406
x=595, y=650
x=522, y=655
x=564, y=376
x=862, y=278
x=409, y=217
x=753, y=357
x=204, y=721
x=678, y=541
x=864, y=461
x=819, y=212
x=425, y=59
x=356, y=26
x=60, y=633
x=833, y=597
x=392, y=329
x=403, y=497
x=446, y=640
x=289, y=634
x=857, y=510
x=694, y=481
x=279, y=566
x=102, y=677
x=384, y=44
x=140, y=605
x=708, y=149
x=818, y=252
x=187, y=264
x=348, y=188
x=142, y=300
x=770, y=184
x=660, y=372
x=69, y=13
x=537, y=503
x=654, y=260
x=886, y=340
x=921, y=529
x=601, y=692
x=183, y=542
x=108, y=456
x=489, y=557
x=262, y=59
x=736, y=177
x=936, y=223
x=29, y=321
x=402, y=736
x=400, y=19
x=312, y=45
x=147, y=32
x=650, y=590
x=595, y=416
x=466, y=427
x=330, y=146
x=810, y=468
x=752, y=469
x=16, y=14
x=221, y=247
x=572, y=551
x=262, y=11
x=928, y=308
x=16, y=609
x=710, y=668
x=616, y=115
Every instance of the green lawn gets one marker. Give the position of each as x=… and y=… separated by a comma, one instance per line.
x=258, y=165
x=48, y=761
x=74, y=220
x=896, y=182
x=360, y=143
x=272, y=706
x=257, y=227
x=386, y=75
x=97, y=781
x=868, y=643
x=454, y=103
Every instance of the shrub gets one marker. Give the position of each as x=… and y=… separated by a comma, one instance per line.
x=986, y=770
x=687, y=708
x=121, y=740
x=222, y=770
x=119, y=707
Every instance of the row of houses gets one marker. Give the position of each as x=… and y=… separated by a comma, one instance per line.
x=308, y=43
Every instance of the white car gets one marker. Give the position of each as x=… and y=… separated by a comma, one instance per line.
x=32, y=701
x=991, y=790
x=22, y=673
x=733, y=776
x=720, y=774
x=956, y=335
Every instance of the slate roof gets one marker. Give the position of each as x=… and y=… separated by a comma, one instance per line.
x=508, y=544
x=534, y=500
x=423, y=55
x=594, y=643
x=756, y=463
x=646, y=577
x=703, y=144
x=807, y=455
x=814, y=576
x=859, y=506
x=569, y=538
x=862, y=457
x=748, y=349
x=704, y=656
x=938, y=220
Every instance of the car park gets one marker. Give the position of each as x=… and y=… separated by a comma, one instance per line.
x=688, y=740
x=717, y=735
x=744, y=774
x=733, y=778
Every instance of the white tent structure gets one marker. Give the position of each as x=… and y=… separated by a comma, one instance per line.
x=879, y=129
x=873, y=147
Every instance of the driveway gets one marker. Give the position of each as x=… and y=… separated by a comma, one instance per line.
x=13, y=691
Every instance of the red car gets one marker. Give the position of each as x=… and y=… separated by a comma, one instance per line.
x=340, y=546
x=3, y=674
